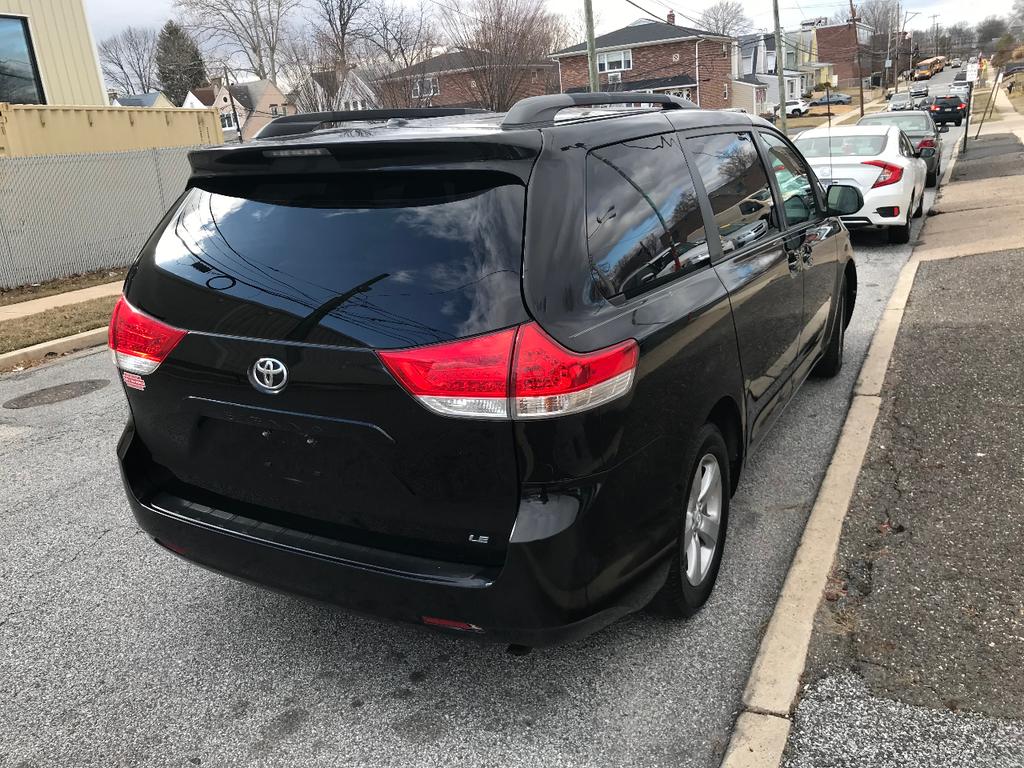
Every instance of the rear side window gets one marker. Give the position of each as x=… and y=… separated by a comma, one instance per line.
x=644, y=225
x=837, y=146
x=387, y=259
x=737, y=186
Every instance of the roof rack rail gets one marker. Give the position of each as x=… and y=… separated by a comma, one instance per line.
x=535, y=110
x=289, y=125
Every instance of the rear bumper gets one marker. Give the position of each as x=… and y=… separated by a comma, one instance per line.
x=536, y=598
x=879, y=200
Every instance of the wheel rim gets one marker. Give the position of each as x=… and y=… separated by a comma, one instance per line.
x=703, y=519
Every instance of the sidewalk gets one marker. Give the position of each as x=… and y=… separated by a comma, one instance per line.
x=34, y=306
x=916, y=654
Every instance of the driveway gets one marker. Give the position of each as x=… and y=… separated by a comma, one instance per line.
x=116, y=653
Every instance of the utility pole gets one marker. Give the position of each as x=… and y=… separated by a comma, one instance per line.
x=780, y=58
x=935, y=35
x=234, y=111
x=856, y=42
x=588, y=17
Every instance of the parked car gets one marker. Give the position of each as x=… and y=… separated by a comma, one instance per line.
x=960, y=89
x=923, y=133
x=795, y=108
x=948, y=109
x=955, y=63
x=960, y=77
x=832, y=98
x=881, y=162
x=434, y=366
x=900, y=101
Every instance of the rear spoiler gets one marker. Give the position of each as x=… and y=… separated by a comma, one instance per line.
x=290, y=125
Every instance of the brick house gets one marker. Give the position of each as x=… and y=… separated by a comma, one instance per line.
x=656, y=57
x=840, y=44
x=456, y=79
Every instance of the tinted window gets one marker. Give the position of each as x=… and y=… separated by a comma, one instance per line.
x=904, y=122
x=823, y=146
x=19, y=76
x=737, y=186
x=644, y=225
x=794, y=180
x=948, y=101
x=387, y=259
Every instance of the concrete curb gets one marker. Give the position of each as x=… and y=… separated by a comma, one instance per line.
x=762, y=729
x=35, y=353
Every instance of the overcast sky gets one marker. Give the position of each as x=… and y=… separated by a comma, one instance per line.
x=110, y=16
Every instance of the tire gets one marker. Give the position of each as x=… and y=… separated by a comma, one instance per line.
x=690, y=581
x=958, y=123
x=900, y=234
x=932, y=179
x=831, y=362
x=919, y=211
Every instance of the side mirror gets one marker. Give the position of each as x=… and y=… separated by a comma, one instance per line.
x=926, y=152
x=844, y=200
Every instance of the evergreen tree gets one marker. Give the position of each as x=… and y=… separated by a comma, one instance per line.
x=179, y=64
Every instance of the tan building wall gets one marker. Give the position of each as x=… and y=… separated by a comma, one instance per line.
x=27, y=129
x=64, y=49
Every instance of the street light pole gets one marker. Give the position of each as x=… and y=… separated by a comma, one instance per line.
x=779, y=61
x=588, y=17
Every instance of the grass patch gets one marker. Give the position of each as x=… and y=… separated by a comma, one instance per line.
x=55, y=323
x=25, y=293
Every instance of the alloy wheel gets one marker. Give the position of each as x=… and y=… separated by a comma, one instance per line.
x=703, y=518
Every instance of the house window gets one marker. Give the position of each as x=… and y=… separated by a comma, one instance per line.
x=614, y=61
x=425, y=86
x=273, y=110
x=227, y=121
x=533, y=76
x=19, y=74
x=725, y=91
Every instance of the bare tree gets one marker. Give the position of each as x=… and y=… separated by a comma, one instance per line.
x=128, y=60
x=571, y=29
x=335, y=23
x=725, y=17
x=397, y=38
x=500, y=40
x=250, y=31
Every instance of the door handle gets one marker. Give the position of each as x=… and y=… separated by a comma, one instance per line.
x=808, y=255
x=794, y=261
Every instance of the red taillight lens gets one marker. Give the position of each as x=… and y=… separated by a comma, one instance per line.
x=481, y=378
x=549, y=380
x=139, y=342
x=890, y=173
x=459, y=378
x=925, y=143
x=934, y=108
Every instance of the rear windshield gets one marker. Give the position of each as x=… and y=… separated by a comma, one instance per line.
x=904, y=122
x=388, y=259
x=837, y=146
x=947, y=101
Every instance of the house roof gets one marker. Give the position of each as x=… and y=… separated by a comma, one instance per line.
x=452, y=61
x=248, y=94
x=140, y=100
x=206, y=95
x=749, y=79
x=676, y=81
x=636, y=34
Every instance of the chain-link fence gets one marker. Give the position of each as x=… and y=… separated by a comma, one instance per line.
x=62, y=215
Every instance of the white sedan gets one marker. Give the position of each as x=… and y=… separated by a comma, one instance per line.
x=882, y=162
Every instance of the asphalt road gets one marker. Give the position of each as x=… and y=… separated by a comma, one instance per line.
x=113, y=652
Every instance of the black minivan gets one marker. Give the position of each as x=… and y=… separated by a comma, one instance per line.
x=490, y=373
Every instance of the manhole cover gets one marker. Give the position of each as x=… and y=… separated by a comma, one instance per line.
x=57, y=394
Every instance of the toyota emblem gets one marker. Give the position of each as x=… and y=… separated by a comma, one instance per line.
x=268, y=375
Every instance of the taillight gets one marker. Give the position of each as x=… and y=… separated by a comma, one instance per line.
x=550, y=380
x=890, y=173
x=138, y=342
x=934, y=107
x=458, y=378
x=517, y=373
x=925, y=143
